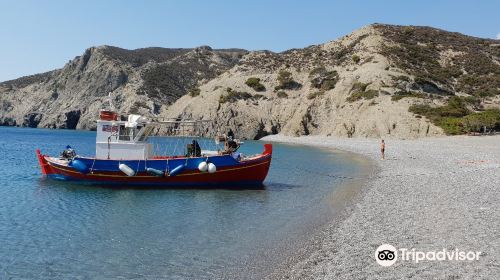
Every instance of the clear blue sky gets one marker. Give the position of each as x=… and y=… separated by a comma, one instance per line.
x=37, y=36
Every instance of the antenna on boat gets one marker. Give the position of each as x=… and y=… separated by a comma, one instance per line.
x=110, y=100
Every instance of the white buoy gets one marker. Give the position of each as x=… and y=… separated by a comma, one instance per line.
x=127, y=170
x=211, y=168
x=203, y=166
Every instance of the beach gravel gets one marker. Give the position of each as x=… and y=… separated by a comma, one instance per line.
x=429, y=194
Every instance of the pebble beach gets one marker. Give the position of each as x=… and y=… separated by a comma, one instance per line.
x=428, y=194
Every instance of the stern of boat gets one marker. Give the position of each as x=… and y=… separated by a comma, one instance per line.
x=267, y=154
x=268, y=149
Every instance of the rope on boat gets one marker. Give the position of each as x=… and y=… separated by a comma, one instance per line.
x=92, y=168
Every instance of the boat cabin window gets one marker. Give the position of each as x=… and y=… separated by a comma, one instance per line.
x=125, y=133
x=128, y=133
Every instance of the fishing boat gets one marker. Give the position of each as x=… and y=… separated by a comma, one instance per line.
x=128, y=154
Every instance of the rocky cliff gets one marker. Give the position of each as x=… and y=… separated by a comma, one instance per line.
x=366, y=84
x=142, y=81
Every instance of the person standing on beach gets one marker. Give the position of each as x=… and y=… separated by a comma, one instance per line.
x=382, y=149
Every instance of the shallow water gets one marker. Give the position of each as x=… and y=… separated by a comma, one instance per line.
x=63, y=230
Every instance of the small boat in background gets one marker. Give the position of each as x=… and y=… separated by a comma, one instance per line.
x=128, y=153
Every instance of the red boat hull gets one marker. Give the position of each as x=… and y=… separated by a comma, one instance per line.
x=247, y=173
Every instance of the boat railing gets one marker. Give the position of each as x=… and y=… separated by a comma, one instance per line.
x=179, y=121
x=182, y=128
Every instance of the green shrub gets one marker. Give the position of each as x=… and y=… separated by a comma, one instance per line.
x=356, y=59
x=222, y=99
x=424, y=110
x=358, y=86
x=284, y=77
x=456, y=107
x=194, y=92
x=285, y=81
x=489, y=119
x=451, y=126
x=282, y=94
x=369, y=94
x=473, y=101
x=472, y=123
x=233, y=96
x=456, y=118
x=407, y=30
x=322, y=79
x=405, y=94
x=317, y=71
x=313, y=95
x=255, y=84
x=358, y=91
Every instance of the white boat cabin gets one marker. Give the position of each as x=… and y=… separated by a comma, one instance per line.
x=123, y=140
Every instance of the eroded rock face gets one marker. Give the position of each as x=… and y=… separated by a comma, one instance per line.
x=72, y=118
x=8, y=122
x=68, y=120
x=32, y=119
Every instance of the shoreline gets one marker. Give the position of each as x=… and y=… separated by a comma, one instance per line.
x=429, y=194
x=341, y=200
x=291, y=249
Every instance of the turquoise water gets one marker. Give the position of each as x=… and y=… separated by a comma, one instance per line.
x=63, y=230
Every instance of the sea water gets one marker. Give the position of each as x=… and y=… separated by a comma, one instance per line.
x=51, y=229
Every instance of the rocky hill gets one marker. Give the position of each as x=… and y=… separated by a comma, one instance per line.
x=142, y=81
x=381, y=80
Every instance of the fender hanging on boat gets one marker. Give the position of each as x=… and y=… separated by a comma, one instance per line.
x=155, y=172
x=79, y=166
x=211, y=168
x=203, y=166
x=177, y=170
x=126, y=169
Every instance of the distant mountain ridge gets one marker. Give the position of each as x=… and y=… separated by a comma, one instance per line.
x=380, y=80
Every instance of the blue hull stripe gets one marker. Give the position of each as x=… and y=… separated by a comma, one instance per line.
x=159, y=164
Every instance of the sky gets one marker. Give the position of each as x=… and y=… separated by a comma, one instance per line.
x=42, y=35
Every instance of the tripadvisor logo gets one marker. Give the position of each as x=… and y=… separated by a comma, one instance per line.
x=387, y=255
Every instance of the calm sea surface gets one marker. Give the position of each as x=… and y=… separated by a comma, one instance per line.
x=63, y=230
